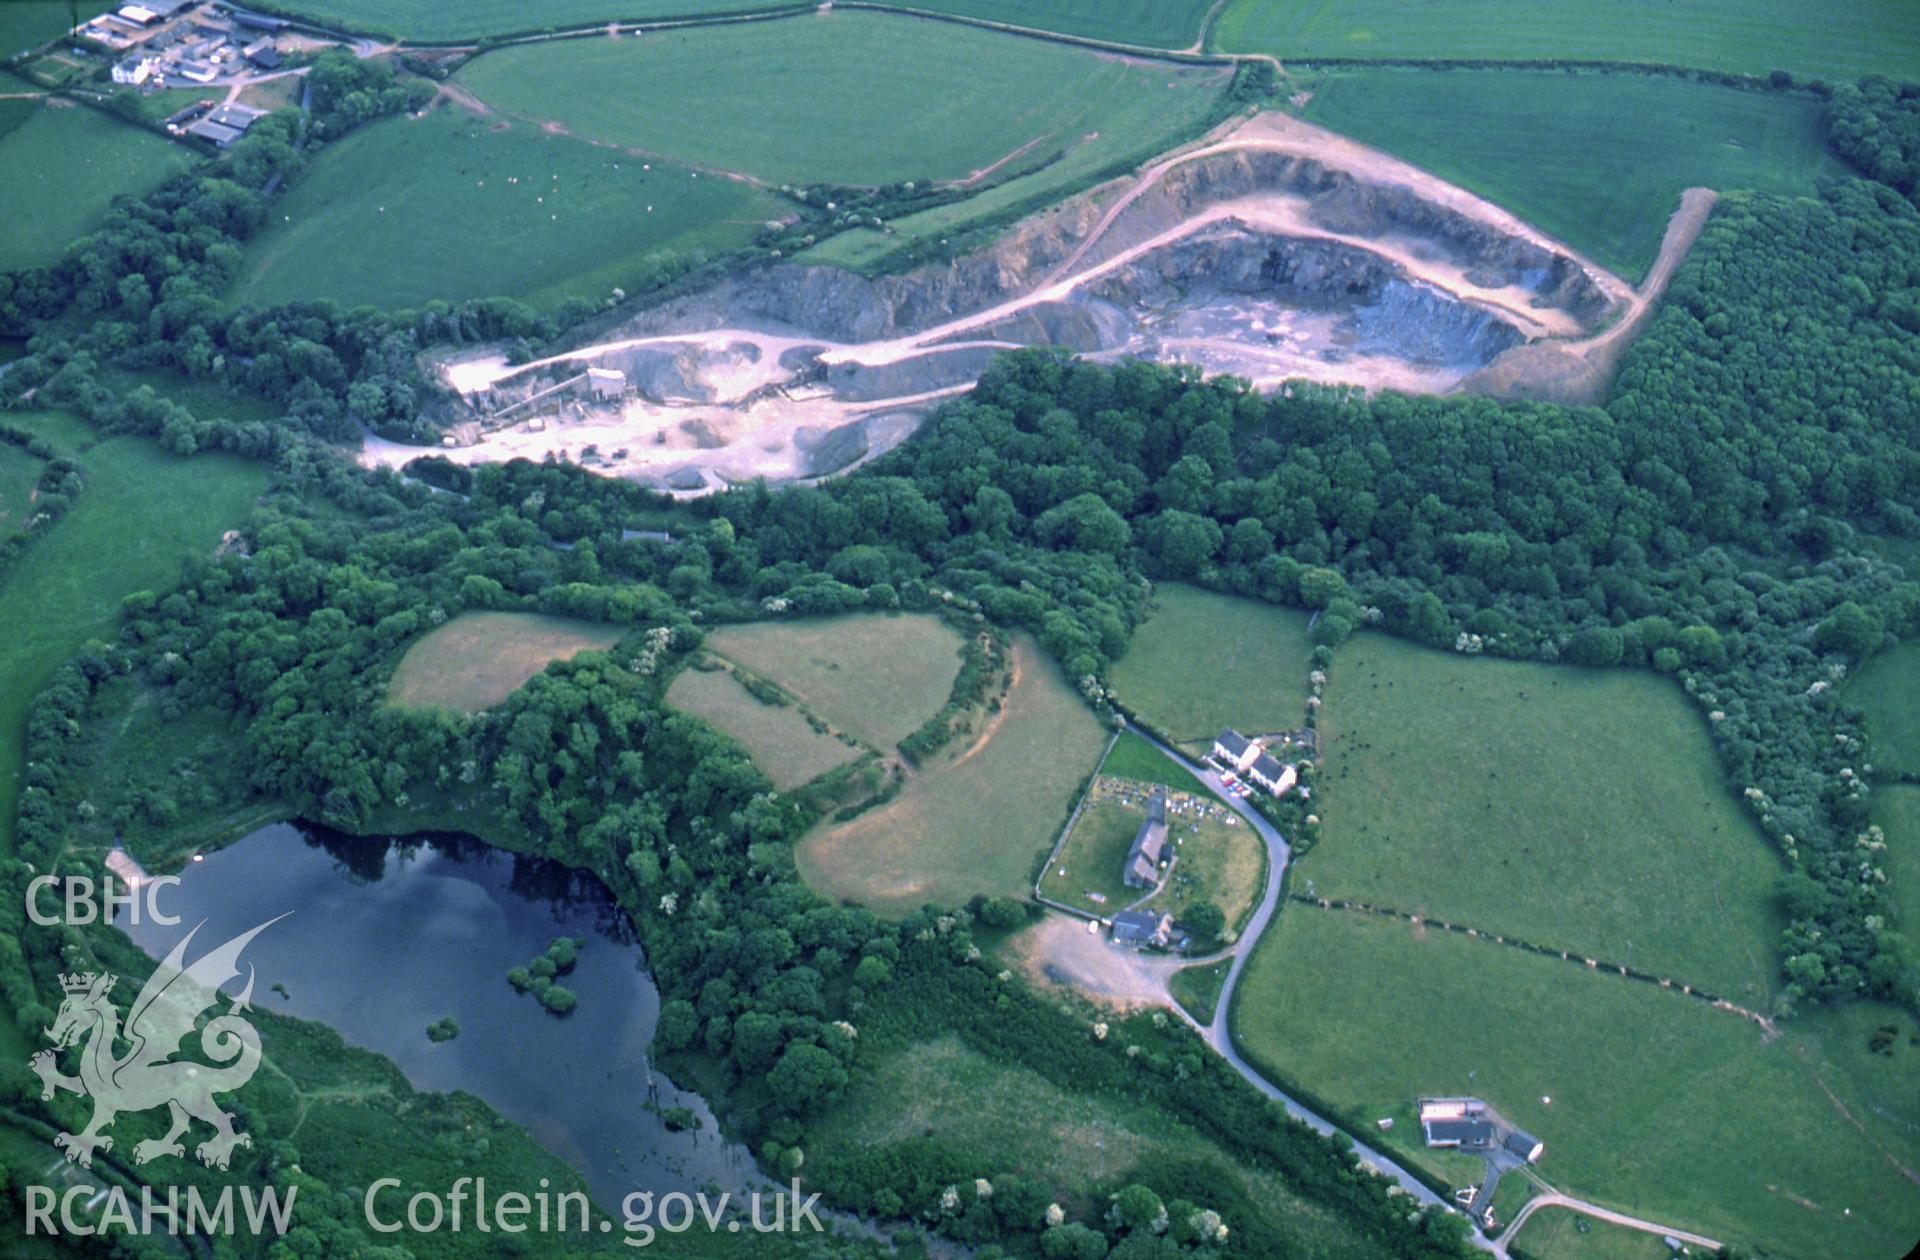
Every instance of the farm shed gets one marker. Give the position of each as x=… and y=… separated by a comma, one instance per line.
x=1525, y=1145
x=215, y=133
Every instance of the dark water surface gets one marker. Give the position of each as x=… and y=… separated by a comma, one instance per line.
x=387, y=936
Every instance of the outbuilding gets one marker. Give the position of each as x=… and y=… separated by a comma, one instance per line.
x=1525, y=1145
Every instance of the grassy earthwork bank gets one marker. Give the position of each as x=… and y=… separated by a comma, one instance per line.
x=1840, y=39
x=877, y=678
x=451, y=206
x=788, y=748
x=976, y=820
x=1574, y=809
x=1656, y=1097
x=1203, y=661
x=478, y=659
x=843, y=98
x=1596, y=159
x=65, y=164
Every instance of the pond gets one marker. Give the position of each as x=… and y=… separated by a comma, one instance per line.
x=387, y=936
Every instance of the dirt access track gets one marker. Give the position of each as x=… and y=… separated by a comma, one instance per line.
x=1273, y=250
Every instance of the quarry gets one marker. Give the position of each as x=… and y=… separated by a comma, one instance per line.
x=1272, y=251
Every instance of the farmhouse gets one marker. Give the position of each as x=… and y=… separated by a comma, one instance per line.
x=1234, y=749
x=134, y=70
x=1270, y=774
x=1143, y=859
x=1142, y=927
x=1525, y=1145
x=1466, y=1134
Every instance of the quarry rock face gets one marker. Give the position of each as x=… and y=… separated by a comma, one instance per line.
x=1245, y=259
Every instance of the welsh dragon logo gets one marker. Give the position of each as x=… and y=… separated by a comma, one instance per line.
x=158, y=1021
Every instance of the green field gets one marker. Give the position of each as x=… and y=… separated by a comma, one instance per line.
x=845, y=98
x=1661, y=1105
x=1896, y=809
x=1557, y=1234
x=778, y=737
x=1203, y=661
x=1132, y=757
x=876, y=678
x=1887, y=690
x=1198, y=989
x=1598, y=160
x=18, y=473
x=1840, y=39
x=478, y=659
x=142, y=511
x=1576, y=809
x=447, y=206
x=27, y=24
x=976, y=823
x=1013, y=1120
x=65, y=164
x=1146, y=23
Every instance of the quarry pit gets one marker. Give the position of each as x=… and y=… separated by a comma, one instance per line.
x=1272, y=251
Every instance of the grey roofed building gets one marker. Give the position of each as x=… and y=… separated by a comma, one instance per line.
x=1143, y=859
x=1474, y=1133
x=1232, y=745
x=1142, y=927
x=237, y=116
x=265, y=58
x=1525, y=1145
x=217, y=133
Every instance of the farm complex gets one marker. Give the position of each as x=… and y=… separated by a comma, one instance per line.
x=1021, y=629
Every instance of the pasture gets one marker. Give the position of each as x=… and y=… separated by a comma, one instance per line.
x=1132, y=757
x=1598, y=160
x=142, y=511
x=1840, y=39
x=1657, y=1098
x=1887, y=692
x=1202, y=661
x=842, y=98
x=18, y=473
x=976, y=823
x=450, y=206
x=778, y=738
x=1896, y=809
x=27, y=24
x=1010, y=1119
x=1557, y=1234
x=432, y=21
x=876, y=678
x=477, y=659
x=1576, y=809
x=1144, y=23
x=65, y=165
x=1136, y=129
